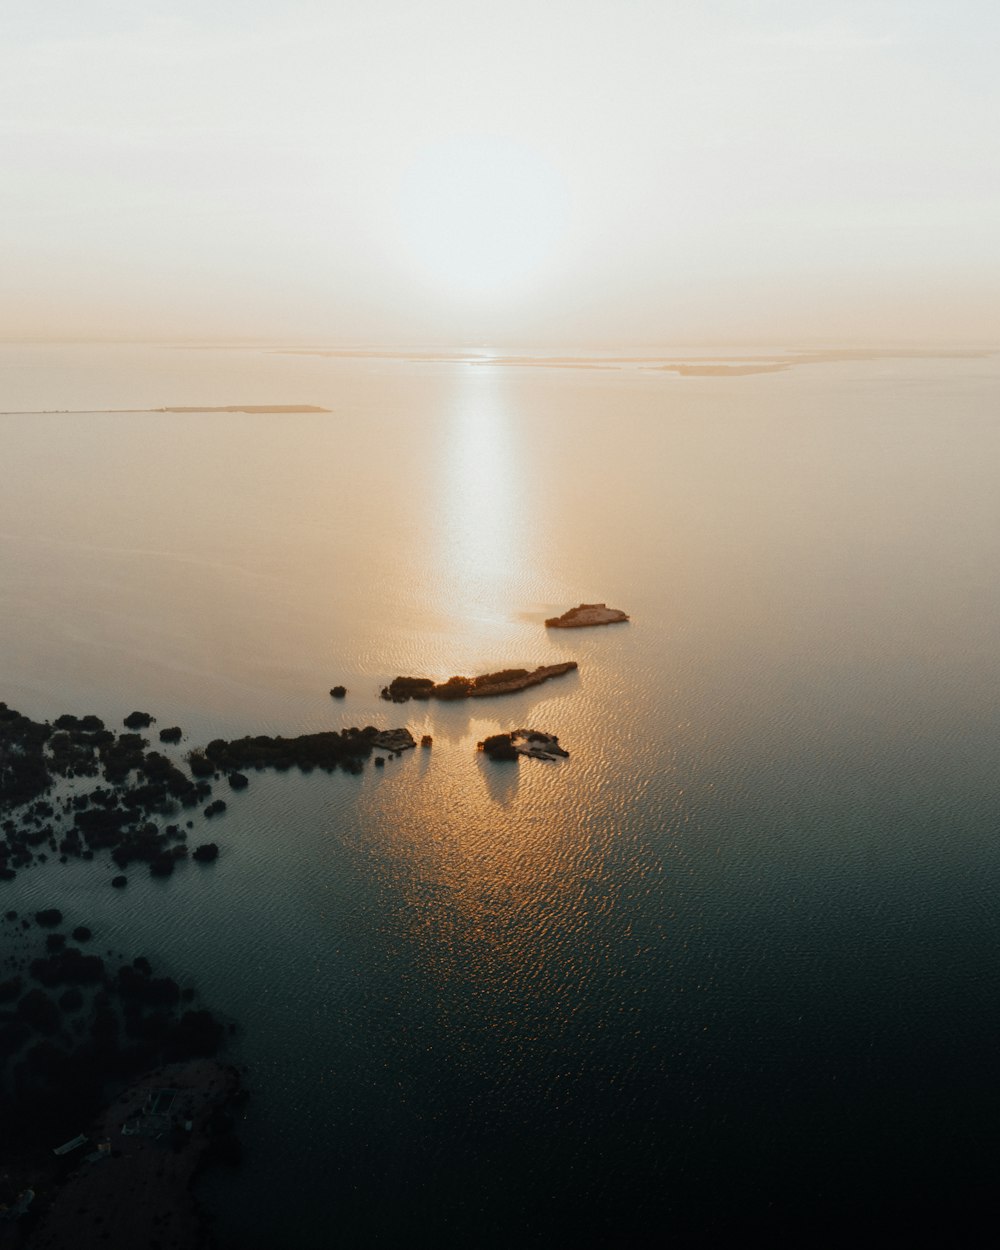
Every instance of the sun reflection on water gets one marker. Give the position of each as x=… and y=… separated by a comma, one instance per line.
x=495, y=883
x=481, y=503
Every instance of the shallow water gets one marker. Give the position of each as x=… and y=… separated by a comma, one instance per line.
x=735, y=958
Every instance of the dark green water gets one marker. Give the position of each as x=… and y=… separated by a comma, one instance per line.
x=733, y=964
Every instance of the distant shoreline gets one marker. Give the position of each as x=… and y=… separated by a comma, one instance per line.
x=248, y=408
x=705, y=366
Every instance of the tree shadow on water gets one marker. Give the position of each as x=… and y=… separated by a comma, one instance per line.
x=502, y=778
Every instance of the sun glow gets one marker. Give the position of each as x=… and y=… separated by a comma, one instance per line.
x=482, y=215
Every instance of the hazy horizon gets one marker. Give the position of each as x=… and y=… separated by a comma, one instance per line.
x=506, y=175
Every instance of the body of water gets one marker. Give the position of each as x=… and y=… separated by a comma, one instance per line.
x=730, y=965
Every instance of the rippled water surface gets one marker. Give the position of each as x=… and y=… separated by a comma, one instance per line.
x=735, y=959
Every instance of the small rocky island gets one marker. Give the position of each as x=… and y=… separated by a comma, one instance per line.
x=531, y=742
x=508, y=681
x=587, y=614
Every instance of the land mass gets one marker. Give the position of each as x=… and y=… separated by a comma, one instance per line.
x=587, y=614
x=139, y=786
x=76, y=1029
x=530, y=742
x=133, y=1186
x=508, y=681
x=692, y=367
x=247, y=408
x=250, y=408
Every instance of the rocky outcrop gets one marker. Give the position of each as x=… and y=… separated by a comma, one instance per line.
x=531, y=742
x=538, y=745
x=507, y=681
x=587, y=614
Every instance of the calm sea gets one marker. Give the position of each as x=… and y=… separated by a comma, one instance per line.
x=733, y=963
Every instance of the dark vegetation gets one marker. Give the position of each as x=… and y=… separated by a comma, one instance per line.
x=133, y=786
x=506, y=681
x=329, y=750
x=138, y=720
x=73, y=1026
x=135, y=789
x=499, y=747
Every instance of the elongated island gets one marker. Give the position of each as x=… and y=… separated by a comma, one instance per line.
x=508, y=681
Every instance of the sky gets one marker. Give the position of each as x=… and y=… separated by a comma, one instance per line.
x=542, y=173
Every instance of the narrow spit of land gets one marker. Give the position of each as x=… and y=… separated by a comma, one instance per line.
x=721, y=366
x=248, y=408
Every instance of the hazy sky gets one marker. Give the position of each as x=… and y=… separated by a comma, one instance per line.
x=550, y=171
